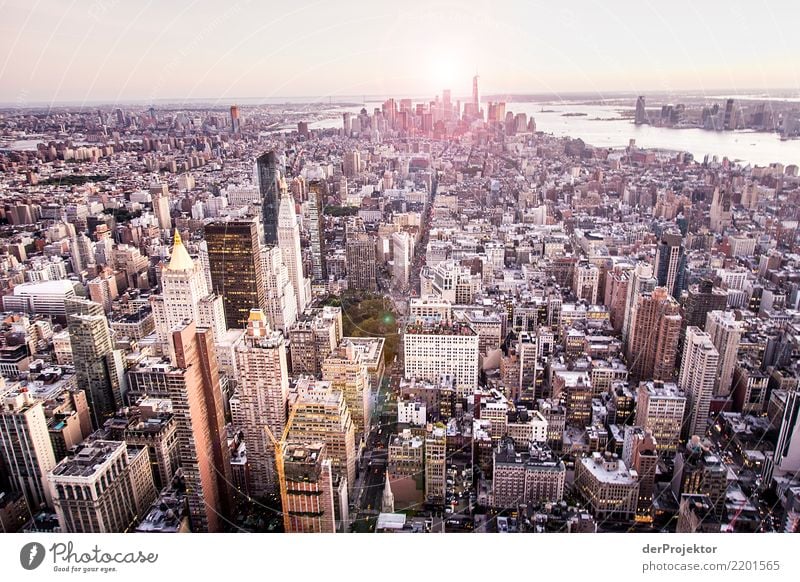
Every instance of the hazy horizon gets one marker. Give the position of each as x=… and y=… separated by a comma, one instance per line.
x=773, y=94
x=110, y=52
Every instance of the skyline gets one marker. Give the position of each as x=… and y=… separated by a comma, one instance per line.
x=361, y=267
x=128, y=53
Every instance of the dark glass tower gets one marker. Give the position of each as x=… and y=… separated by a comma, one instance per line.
x=234, y=255
x=269, y=188
x=671, y=263
x=317, y=191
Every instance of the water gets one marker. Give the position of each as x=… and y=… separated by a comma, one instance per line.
x=602, y=126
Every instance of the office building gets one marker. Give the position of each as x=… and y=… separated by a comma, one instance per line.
x=281, y=303
x=185, y=296
x=702, y=298
x=98, y=367
x=317, y=194
x=641, y=113
x=268, y=178
x=307, y=491
x=671, y=263
x=289, y=243
x=696, y=514
x=585, y=281
x=346, y=372
x=610, y=489
x=697, y=378
x=401, y=253
x=150, y=424
x=161, y=206
x=25, y=448
x=42, y=298
x=406, y=469
x=235, y=120
x=641, y=280
x=352, y=164
x=320, y=414
x=261, y=397
x=361, y=263
x=786, y=460
x=655, y=327
x=640, y=453
x=660, y=409
x=313, y=338
x=575, y=388
x=532, y=476
x=103, y=487
x=435, y=464
x=431, y=351
x=726, y=332
x=698, y=471
x=193, y=384
x=234, y=255
x=749, y=392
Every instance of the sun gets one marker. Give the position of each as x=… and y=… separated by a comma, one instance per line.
x=443, y=69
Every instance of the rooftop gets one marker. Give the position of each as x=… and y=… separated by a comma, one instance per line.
x=89, y=458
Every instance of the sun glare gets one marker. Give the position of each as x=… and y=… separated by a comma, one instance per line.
x=443, y=70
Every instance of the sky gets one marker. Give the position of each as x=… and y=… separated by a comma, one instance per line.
x=113, y=51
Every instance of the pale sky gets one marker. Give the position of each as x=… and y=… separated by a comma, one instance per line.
x=85, y=51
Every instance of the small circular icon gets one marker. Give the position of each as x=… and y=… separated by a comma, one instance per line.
x=31, y=555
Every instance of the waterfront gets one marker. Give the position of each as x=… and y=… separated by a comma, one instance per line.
x=604, y=126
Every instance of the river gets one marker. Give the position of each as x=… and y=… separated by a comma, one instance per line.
x=602, y=126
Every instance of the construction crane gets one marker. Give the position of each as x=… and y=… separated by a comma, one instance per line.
x=280, y=445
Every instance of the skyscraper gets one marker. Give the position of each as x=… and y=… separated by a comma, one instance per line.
x=317, y=192
x=25, y=447
x=729, y=121
x=261, y=396
x=786, y=460
x=433, y=350
x=585, y=281
x=185, y=295
x=268, y=178
x=313, y=338
x=725, y=331
x=307, y=490
x=234, y=253
x=321, y=415
x=102, y=488
x=360, y=257
x=720, y=211
x=98, y=366
x=702, y=298
x=193, y=384
x=346, y=372
x=697, y=378
x=289, y=243
x=281, y=305
x=654, y=333
x=401, y=252
x=235, y=128
x=161, y=206
x=351, y=165
x=641, y=113
x=671, y=263
x=660, y=408
x=476, y=101
x=640, y=454
x=641, y=279
x=435, y=464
